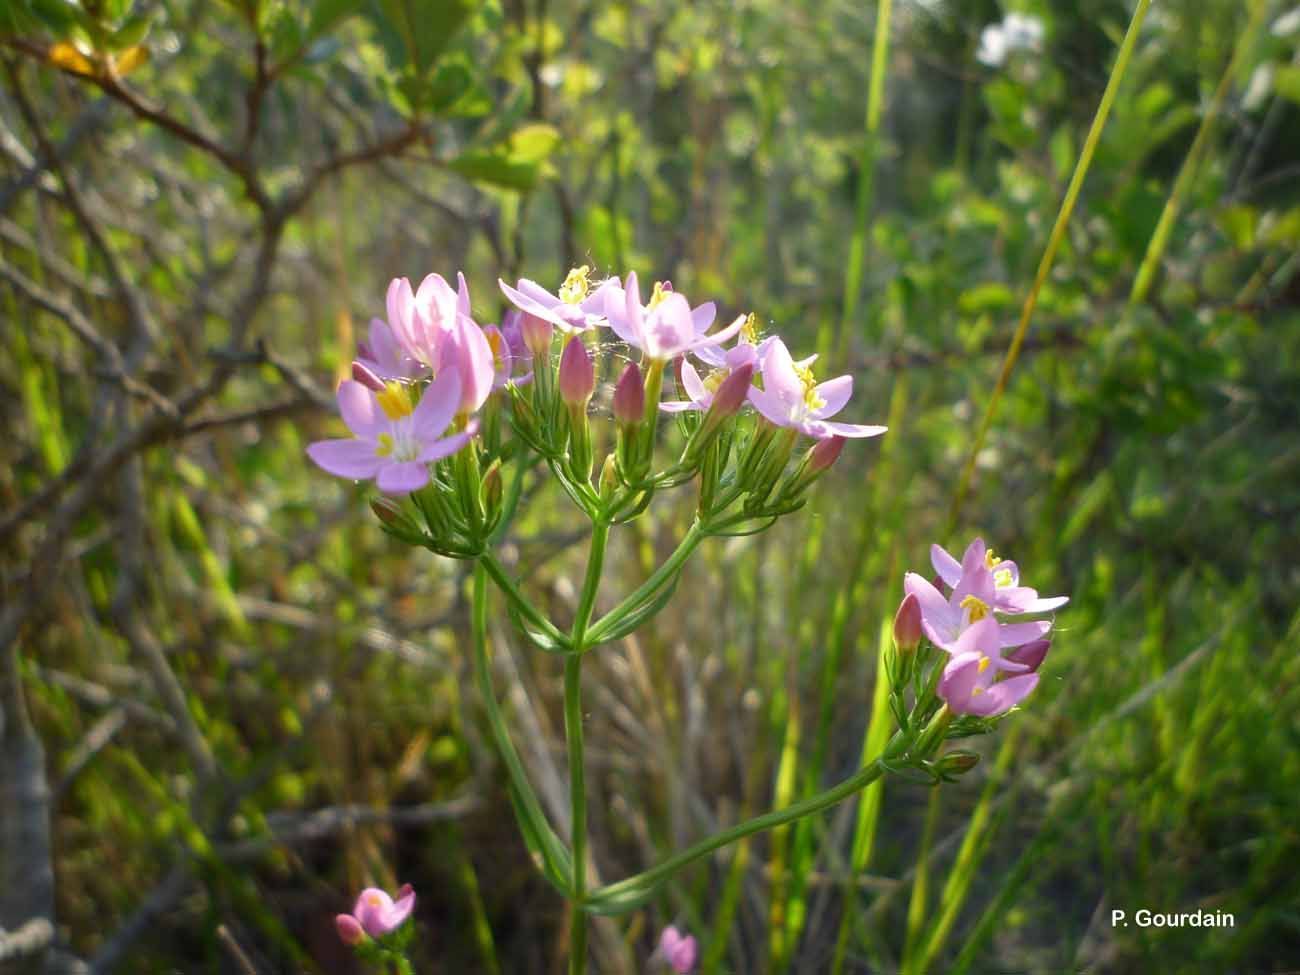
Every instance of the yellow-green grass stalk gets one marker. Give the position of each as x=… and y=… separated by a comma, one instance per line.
x=864, y=833
x=866, y=173
x=1049, y=255
x=974, y=847
x=919, y=903
x=874, y=550
x=1187, y=172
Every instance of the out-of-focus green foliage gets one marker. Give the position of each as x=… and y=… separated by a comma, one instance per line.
x=1144, y=460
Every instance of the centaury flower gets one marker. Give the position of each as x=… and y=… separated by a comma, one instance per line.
x=422, y=320
x=667, y=326
x=792, y=398
x=395, y=439
x=973, y=598
x=376, y=914
x=970, y=683
x=383, y=355
x=678, y=950
x=578, y=307
x=1008, y=595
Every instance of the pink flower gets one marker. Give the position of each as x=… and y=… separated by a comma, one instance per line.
x=384, y=356
x=944, y=619
x=395, y=440
x=667, y=326
x=1008, y=595
x=577, y=308
x=748, y=350
x=970, y=683
x=422, y=320
x=376, y=914
x=791, y=398
x=680, y=952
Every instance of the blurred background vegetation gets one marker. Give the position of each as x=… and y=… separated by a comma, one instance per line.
x=227, y=701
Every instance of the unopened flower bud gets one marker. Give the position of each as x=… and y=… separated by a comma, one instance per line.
x=389, y=512
x=536, y=334
x=957, y=763
x=1030, y=654
x=907, y=624
x=366, y=376
x=608, y=478
x=825, y=453
x=577, y=374
x=492, y=487
x=629, y=397
x=350, y=930
x=733, y=392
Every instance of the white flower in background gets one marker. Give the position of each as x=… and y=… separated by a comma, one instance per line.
x=1017, y=32
x=1287, y=24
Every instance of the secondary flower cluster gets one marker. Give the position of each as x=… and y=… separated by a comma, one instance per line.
x=993, y=662
x=430, y=380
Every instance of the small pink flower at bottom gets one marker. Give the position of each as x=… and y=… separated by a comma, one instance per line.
x=679, y=951
x=376, y=914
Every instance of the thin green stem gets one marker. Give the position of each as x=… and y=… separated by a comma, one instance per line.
x=526, y=609
x=866, y=170
x=1049, y=255
x=607, y=898
x=529, y=805
x=1160, y=237
x=574, y=743
x=690, y=541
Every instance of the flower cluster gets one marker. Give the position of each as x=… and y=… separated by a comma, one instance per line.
x=430, y=384
x=992, y=661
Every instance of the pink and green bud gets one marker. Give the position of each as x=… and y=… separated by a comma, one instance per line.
x=907, y=624
x=825, y=453
x=367, y=376
x=1032, y=654
x=350, y=930
x=956, y=763
x=536, y=333
x=731, y=394
x=577, y=374
x=629, y=397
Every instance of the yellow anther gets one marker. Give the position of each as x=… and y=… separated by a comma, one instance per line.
x=810, y=398
x=494, y=343
x=576, y=286
x=1002, y=578
x=715, y=379
x=659, y=294
x=374, y=900
x=386, y=445
x=990, y=559
x=984, y=664
x=978, y=608
x=395, y=401
x=749, y=331
x=976, y=691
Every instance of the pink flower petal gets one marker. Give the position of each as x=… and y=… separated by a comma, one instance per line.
x=402, y=478
x=355, y=459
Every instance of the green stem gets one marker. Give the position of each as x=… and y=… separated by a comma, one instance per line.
x=526, y=609
x=866, y=171
x=573, y=739
x=552, y=849
x=607, y=898
x=690, y=541
x=1049, y=255
x=1160, y=238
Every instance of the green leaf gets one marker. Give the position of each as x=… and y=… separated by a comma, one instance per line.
x=131, y=33
x=990, y=296
x=426, y=27
x=497, y=169
x=455, y=90
x=533, y=143
x=327, y=14
x=1286, y=82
